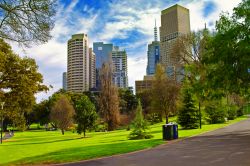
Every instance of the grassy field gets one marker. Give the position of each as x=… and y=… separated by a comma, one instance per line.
x=37, y=146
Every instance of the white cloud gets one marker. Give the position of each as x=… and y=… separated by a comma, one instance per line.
x=114, y=22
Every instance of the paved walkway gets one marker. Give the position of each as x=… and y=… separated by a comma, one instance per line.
x=229, y=146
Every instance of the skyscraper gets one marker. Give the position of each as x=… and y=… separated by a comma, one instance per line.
x=153, y=53
x=92, y=70
x=78, y=64
x=120, y=73
x=64, y=82
x=103, y=54
x=174, y=23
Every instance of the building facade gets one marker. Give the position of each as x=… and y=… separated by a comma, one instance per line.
x=103, y=55
x=64, y=81
x=145, y=84
x=120, y=73
x=92, y=69
x=153, y=54
x=78, y=64
x=175, y=22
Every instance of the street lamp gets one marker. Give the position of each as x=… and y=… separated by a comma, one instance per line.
x=198, y=79
x=2, y=104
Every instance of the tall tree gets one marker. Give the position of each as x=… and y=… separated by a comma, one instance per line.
x=26, y=21
x=230, y=60
x=128, y=101
x=109, y=99
x=85, y=114
x=62, y=113
x=165, y=92
x=19, y=82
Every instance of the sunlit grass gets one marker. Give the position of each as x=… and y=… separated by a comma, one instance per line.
x=38, y=146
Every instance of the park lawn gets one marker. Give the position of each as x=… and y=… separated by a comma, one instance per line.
x=43, y=147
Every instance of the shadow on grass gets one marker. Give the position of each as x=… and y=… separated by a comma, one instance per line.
x=44, y=142
x=88, y=152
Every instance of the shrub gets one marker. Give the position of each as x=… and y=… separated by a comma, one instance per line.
x=140, y=126
x=215, y=113
x=232, y=113
x=240, y=112
x=154, y=118
x=188, y=116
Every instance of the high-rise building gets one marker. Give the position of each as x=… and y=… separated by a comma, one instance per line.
x=103, y=55
x=120, y=73
x=175, y=22
x=145, y=84
x=64, y=81
x=153, y=53
x=92, y=69
x=78, y=64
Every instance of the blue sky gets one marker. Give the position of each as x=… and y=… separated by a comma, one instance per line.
x=125, y=23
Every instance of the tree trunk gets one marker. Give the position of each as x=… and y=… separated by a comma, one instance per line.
x=166, y=119
x=62, y=132
x=84, y=133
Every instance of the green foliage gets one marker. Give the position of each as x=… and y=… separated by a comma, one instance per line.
x=231, y=51
x=232, y=112
x=128, y=101
x=154, y=118
x=215, y=113
x=85, y=114
x=140, y=126
x=20, y=80
x=188, y=115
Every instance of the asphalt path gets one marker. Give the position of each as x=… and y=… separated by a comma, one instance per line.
x=229, y=146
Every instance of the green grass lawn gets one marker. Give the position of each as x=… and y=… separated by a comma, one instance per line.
x=37, y=146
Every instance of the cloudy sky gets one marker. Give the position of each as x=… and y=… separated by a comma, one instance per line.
x=125, y=23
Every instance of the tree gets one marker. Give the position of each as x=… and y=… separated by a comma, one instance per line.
x=26, y=21
x=85, y=114
x=188, y=116
x=19, y=82
x=109, y=99
x=164, y=93
x=230, y=60
x=140, y=126
x=62, y=113
x=128, y=101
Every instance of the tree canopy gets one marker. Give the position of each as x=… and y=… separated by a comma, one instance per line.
x=26, y=21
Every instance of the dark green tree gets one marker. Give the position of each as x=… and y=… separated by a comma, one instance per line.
x=140, y=126
x=85, y=115
x=26, y=21
x=230, y=60
x=128, y=101
x=188, y=115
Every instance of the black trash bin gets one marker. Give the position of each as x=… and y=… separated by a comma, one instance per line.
x=167, y=131
x=175, y=131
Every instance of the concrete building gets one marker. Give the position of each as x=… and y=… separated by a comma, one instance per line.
x=153, y=54
x=145, y=84
x=78, y=64
x=175, y=22
x=120, y=73
x=64, y=81
x=92, y=69
x=103, y=54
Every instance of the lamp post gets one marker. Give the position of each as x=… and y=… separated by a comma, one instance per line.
x=2, y=104
x=198, y=79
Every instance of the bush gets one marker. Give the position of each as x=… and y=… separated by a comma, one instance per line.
x=240, y=112
x=154, y=118
x=215, y=113
x=140, y=126
x=232, y=113
x=188, y=116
